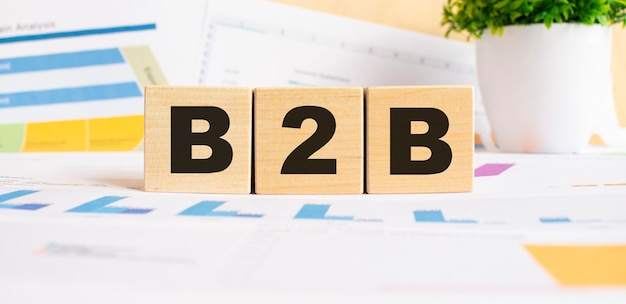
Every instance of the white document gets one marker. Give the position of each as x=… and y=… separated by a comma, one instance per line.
x=72, y=73
x=124, y=261
x=75, y=225
x=62, y=60
x=258, y=43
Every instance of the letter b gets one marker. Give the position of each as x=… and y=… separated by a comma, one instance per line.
x=401, y=141
x=173, y=137
x=447, y=111
x=183, y=139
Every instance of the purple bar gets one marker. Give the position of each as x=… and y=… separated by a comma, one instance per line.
x=491, y=169
x=33, y=206
x=136, y=211
x=248, y=215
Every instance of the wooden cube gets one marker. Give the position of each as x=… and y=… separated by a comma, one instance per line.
x=198, y=139
x=308, y=140
x=419, y=139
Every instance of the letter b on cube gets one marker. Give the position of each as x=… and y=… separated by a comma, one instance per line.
x=419, y=139
x=198, y=139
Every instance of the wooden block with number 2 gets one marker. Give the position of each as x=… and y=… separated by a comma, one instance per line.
x=308, y=140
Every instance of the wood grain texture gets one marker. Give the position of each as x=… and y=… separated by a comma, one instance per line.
x=274, y=143
x=425, y=16
x=236, y=102
x=456, y=103
x=618, y=67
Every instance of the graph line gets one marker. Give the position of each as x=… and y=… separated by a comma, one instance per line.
x=87, y=32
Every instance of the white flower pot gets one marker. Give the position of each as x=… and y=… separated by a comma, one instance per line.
x=539, y=85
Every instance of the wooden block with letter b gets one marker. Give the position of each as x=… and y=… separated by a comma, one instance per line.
x=419, y=139
x=308, y=140
x=198, y=139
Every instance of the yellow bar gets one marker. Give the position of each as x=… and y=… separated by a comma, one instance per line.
x=115, y=133
x=58, y=136
x=578, y=266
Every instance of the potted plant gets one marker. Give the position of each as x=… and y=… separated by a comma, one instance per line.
x=542, y=64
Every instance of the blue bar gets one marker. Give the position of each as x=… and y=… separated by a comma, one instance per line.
x=339, y=218
x=60, y=61
x=98, y=205
x=89, y=32
x=33, y=206
x=430, y=216
x=555, y=220
x=207, y=208
x=15, y=194
x=66, y=95
x=204, y=208
x=462, y=221
x=136, y=211
x=310, y=211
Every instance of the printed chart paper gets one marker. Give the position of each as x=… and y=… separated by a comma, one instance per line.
x=511, y=191
x=72, y=73
x=546, y=228
x=259, y=43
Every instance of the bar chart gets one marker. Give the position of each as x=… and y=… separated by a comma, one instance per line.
x=101, y=205
x=494, y=169
x=579, y=220
x=76, y=98
x=19, y=193
x=553, y=220
x=320, y=211
x=207, y=208
x=436, y=216
x=326, y=55
x=582, y=265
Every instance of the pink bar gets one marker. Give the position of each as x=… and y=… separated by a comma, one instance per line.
x=491, y=169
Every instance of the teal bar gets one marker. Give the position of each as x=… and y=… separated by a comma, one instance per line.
x=60, y=61
x=205, y=208
x=98, y=204
x=429, y=216
x=310, y=211
x=550, y=220
x=69, y=95
x=15, y=194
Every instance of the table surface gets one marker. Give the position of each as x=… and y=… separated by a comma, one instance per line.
x=541, y=228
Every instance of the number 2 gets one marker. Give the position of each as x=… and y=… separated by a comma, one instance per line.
x=299, y=161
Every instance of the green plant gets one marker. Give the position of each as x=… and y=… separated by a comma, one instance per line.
x=475, y=16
